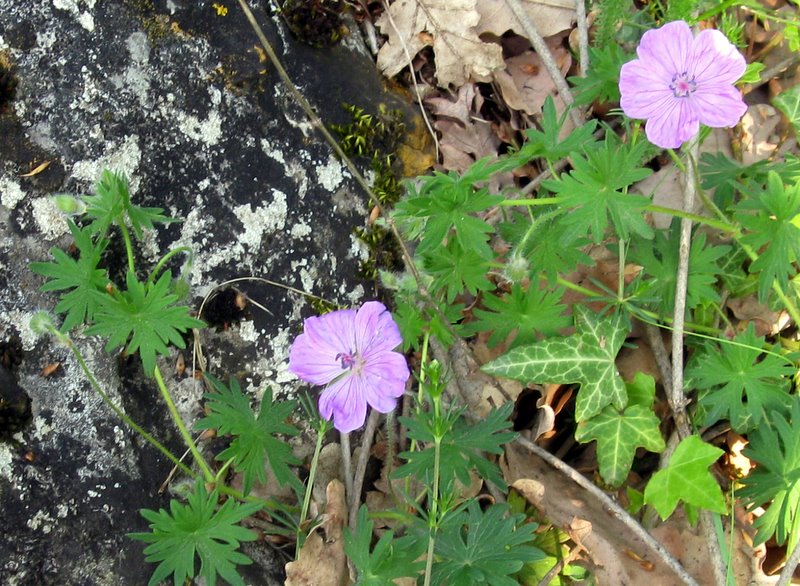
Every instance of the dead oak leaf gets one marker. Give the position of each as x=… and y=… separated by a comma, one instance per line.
x=446, y=25
x=525, y=83
x=549, y=16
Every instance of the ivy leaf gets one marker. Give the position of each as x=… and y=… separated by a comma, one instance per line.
x=773, y=232
x=460, y=447
x=390, y=558
x=547, y=141
x=660, y=261
x=524, y=313
x=144, y=313
x=788, y=102
x=596, y=190
x=484, y=547
x=194, y=530
x=112, y=202
x=729, y=373
x=776, y=479
x=686, y=479
x=586, y=357
x=82, y=276
x=620, y=433
x=455, y=269
x=255, y=443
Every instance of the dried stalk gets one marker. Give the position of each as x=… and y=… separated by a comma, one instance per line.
x=361, y=466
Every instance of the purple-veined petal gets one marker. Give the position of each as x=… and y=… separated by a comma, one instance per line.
x=375, y=330
x=715, y=60
x=384, y=380
x=344, y=400
x=306, y=362
x=314, y=354
x=718, y=106
x=643, y=95
x=666, y=50
x=671, y=127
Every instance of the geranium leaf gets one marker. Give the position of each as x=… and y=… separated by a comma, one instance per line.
x=619, y=434
x=586, y=357
x=686, y=479
x=255, y=441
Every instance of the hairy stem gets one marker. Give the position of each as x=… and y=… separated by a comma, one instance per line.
x=312, y=473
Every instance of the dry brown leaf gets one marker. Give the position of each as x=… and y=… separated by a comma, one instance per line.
x=446, y=25
x=749, y=310
x=37, y=170
x=549, y=16
x=322, y=561
x=525, y=83
x=760, y=135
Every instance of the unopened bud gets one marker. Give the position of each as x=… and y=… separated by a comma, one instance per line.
x=68, y=204
x=41, y=323
x=517, y=268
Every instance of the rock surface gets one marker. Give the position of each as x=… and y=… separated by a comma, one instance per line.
x=173, y=94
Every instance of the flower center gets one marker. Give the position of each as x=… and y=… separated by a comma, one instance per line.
x=682, y=85
x=349, y=360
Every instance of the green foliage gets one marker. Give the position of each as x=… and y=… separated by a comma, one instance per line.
x=455, y=269
x=601, y=82
x=549, y=143
x=143, y=318
x=461, y=445
x=82, y=276
x=390, y=558
x=771, y=220
x=686, y=479
x=776, y=479
x=788, y=102
x=586, y=357
x=659, y=258
x=620, y=432
x=256, y=441
x=111, y=204
x=197, y=529
x=596, y=190
x=726, y=374
x=527, y=314
x=483, y=547
x=610, y=13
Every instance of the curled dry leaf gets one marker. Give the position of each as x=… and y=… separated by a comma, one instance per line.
x=39, y=168
x=549, y=16
x=322, y=561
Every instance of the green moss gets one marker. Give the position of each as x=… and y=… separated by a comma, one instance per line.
x=315, y=22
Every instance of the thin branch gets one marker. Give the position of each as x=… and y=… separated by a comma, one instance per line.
x=532, y=33
x=347, y=464
x=676, y=396
x=787, y=573
x=583, y=36
x=361, y=466
x=432, y=132
x=612, y=507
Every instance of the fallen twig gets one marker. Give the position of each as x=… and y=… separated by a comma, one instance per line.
x=361, y=467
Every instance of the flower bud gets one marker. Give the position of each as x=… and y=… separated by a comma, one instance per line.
x=68, y=204
x=517, y=268
x=41, y=323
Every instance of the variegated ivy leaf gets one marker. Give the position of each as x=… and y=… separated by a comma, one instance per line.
x=619, y=433
x=586, y=357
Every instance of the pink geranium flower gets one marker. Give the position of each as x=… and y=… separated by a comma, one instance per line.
x=680, y=81
x=353, y=353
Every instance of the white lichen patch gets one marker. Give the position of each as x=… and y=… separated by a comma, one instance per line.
x=247, y=331
x=6, y=457
x=331, y=174
x=207, y=131
x=300, y=230
x=264, y=219
x=85, y=18
x=272, y=152
x=124, y=158
x=308, y=277
x=41, y=521
x=136, y=77
x=358, y=249
x=20, y=320
x=49, y=219
x=10, y=193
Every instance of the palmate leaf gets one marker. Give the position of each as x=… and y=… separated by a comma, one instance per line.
x=82, y=276
x=144, y=318
x=660, y=261
x=390, y=558
x=460, y=449
x=776, y=479
x=455, y=269
x=686, y=478
x=548, y=143
x=112, y=203
x=198, y=529
x=484, y=547
x=596, y=190
x=739, y=382
x=586, y=357
x=255, y=443
x=772, y=232
x=620, y=433
x=525, y=313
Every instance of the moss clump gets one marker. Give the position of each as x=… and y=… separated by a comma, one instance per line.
x=315, y=22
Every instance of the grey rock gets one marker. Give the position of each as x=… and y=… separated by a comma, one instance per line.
x=175, y=96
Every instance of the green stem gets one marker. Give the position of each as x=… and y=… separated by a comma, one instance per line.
x=173, y=410
x=164, y=259
x=719, y=225
x=117, y=411
x=309, y=487
x=433, y=518
x=536, y=201
x=126, y=237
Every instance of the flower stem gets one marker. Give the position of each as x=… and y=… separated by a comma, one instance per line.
x=208, y=475
x=117, y=411
x=165, y=258
x=126, y=237
x=433, y=513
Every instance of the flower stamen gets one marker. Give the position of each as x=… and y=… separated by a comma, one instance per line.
x=682, y=85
